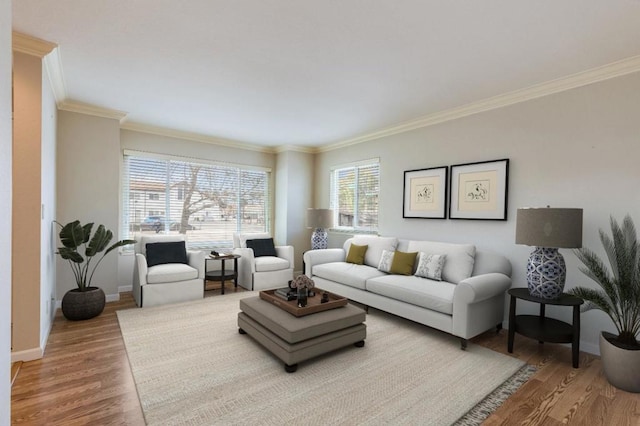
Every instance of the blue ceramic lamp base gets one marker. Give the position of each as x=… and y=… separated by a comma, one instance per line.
x=546, y=273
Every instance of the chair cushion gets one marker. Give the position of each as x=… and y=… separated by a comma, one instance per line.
x=434, y=295
x=240, y=240
x=170, y=272
x=262, y=247
x=346, y=273
x=167, y=252
x=271, y=263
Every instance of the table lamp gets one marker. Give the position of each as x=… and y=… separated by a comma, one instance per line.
x=548, y=229
x=319, y=220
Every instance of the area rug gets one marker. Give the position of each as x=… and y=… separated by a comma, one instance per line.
x=192, y=367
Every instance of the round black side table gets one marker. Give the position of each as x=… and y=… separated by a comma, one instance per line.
x=545, y=329
x=222, y=275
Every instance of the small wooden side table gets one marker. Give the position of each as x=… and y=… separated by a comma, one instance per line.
x=222, y=275
x=545, y=329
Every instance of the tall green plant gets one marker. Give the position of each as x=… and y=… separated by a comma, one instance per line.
x=619, y=296
x=77, y=240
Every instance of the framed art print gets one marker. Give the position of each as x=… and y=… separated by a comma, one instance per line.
x=479, y=190
x=425, y=193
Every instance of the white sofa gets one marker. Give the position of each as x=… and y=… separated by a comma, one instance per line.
x=264, y=272
x=468, y=301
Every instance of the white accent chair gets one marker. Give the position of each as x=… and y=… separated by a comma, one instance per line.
x=264, y=272
x=170, y=282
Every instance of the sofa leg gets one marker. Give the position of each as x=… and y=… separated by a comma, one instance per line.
x=498, y=328
x=463, y=344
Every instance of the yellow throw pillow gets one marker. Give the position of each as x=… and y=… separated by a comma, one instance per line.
x=356, y=254
x=402, y=263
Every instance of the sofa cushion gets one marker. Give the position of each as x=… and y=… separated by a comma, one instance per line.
x=402, y=263
x=356, y=254
x=460, y=258
x=376, y=246
x=271, y=263
x=170, y=272
x=348, y=274
x=430, y=266
x=429, y=294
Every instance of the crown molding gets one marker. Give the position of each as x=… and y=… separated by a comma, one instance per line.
x=31, y=45
x=82, y=108
x=584, y=78
x=53, y=67
x=296, y=148
x=197, y=137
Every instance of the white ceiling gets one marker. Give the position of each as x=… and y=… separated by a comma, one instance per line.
x=316, y=73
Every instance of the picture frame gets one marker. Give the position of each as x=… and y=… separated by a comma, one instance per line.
x=425, y=193
x=479, y=190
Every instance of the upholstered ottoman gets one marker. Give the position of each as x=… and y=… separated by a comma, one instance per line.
x=294, y=339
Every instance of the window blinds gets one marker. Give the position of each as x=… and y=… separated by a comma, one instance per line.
x=206, y=201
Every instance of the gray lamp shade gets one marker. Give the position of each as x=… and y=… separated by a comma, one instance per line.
x=319, y=218
x=549, y=227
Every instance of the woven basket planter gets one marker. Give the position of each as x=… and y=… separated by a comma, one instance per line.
x=81, y=305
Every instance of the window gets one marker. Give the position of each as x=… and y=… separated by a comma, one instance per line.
x=354, y=195
x=206, y=201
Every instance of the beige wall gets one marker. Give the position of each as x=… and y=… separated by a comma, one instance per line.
x=5, y=210
x=27, y=87
x=87, y=167
x=578, y=148
x=293, y=188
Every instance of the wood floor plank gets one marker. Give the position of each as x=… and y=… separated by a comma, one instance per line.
x=85, y=379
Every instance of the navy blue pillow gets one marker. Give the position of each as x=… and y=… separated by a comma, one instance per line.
x=171, y=252
x=262, y=247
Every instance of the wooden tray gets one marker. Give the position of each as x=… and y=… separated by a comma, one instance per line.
x=313, y=303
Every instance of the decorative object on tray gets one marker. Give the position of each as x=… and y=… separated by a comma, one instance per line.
x=314, y=303
x=548, y=229
x=618, y=297
x=425, y=193
x=479, y=190
x=303, y=284
x=325, y=297
x=286, y=293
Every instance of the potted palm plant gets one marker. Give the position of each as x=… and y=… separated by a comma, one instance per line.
x=618, y=297
x=79, y=248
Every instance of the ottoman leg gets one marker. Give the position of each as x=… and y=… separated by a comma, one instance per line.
x=359, y=344
x=290, y=368
x=241, y=331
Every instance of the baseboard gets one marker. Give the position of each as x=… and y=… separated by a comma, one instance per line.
x=125, y=288
x=113, y=297
x=27, y=355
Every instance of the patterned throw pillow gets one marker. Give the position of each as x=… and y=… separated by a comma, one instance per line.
x=430, y=266
x=385, y=261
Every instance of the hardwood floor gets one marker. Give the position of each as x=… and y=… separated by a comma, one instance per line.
x=85, y=379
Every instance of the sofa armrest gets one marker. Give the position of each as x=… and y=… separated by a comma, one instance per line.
x=481, y=287
x=318, y=257
x=196, y=260
x=286, y=252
